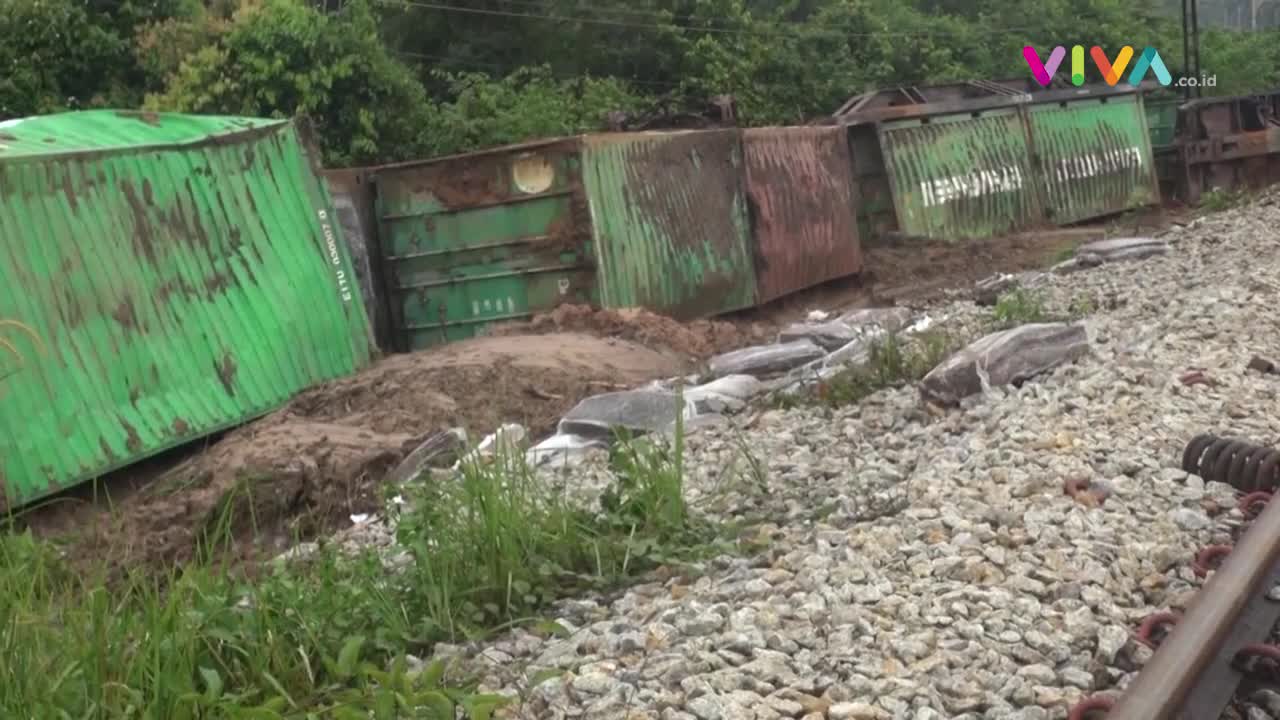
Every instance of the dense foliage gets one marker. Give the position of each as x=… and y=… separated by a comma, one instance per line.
x=391, y=79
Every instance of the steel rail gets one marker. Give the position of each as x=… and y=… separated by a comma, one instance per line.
x=1231, y=610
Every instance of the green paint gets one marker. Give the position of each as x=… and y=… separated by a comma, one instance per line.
x=670, y=222
x=465, y=245
x=1162, y=117
x=957, y=176
x=1095, y=157
x=182, y=275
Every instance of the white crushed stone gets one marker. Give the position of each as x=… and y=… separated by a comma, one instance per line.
x=925, y=565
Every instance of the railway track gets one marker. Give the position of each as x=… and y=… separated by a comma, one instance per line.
x=1221, y=658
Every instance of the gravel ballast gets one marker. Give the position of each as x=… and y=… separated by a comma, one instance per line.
x=927, y=563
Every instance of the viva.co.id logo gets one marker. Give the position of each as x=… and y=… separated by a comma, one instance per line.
x=1111, y=70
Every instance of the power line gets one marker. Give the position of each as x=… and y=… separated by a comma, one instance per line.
x=667, y=26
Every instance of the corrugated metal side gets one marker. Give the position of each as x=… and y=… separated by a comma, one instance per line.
x=958, y=176
x=476, y=239
x=353, y=201
x=1094, y=157
x=804, y=226
x=168, y=295
x=670, y=221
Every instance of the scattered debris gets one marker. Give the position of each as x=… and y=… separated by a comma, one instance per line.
x=1117, y=249
x=1004, y=358
x=988, y=291
x=817, y=316
x=827, y=335
x=439, y=447
x=766, y=360
x=1085, y=491
x=1262, y=365
x=635, y=411
x=507, y=439
x=1197, y=376
x=562, y=450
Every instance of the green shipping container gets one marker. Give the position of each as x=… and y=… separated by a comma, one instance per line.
x=164, y=277
x=960, y=175
x=1094, y=157
x=480, y=238
x=669, y=220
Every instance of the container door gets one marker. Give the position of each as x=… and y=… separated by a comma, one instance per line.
x=961, y=176
x=479, y=239
x=670, y=221
x=1094, y=157
x=799, y=182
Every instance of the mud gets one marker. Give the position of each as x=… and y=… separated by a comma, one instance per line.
x=304, y=470
x=698, y=340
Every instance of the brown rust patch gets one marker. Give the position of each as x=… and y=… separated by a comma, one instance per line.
x=69, y=189
x=106, y=449
x=180, y=427
x=125, y=313
x=226, y=370
x=249, y=158
x=8, y=137
x=456, y=185
x=215, y=284
x=148, y=194
x=135, y=392
x=132, y=442
x=143, y=239
x=74, y=314
x=149, y=118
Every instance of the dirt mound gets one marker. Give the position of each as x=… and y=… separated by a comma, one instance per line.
x=697, y=339
x=480, y=384
x=304, y=470
x=261, y=486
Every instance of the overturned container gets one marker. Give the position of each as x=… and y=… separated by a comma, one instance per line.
x=164, y=277
x=800, y=191
x=976, y=160
x=646, y=219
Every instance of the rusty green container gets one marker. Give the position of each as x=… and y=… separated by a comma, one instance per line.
x=959, y=176
x=163, y=277
x=669, y=221
x=480, y=238
x=1094, y=157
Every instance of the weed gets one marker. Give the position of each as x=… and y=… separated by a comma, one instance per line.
x=1219, y=199
x=1081, y=306
x=1063, y=254
x=331, y=641
x=498, y=544
x=1019, y=307
x=890, y=363
x=330, y=636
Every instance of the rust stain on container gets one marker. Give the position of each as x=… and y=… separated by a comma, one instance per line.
x=800, y=192
x=669, y=221
x=480, y=238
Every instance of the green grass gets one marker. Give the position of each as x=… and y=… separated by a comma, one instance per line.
x=1019, y=307
x=1218, y=199
x=891, y=362
x=331, y=636
x=1063, y=254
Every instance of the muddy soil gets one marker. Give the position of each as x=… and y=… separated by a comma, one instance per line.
x=698, y=340
x=304, y=470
